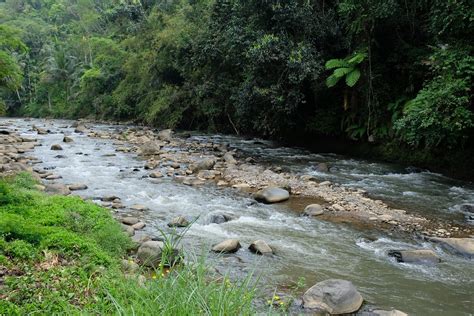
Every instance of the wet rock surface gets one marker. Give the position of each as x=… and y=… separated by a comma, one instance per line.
x=333, y=296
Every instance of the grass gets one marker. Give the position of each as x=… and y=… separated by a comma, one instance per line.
x=62, y=255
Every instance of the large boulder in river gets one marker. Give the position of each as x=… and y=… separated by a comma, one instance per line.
x=165, y=135
x=56, y=147
x=272, y=195
x=260, y=247
x=333, y=296
x=415, y=256
x=313, y=210
x=149, y=253
x=462, y=246
x=227, y=246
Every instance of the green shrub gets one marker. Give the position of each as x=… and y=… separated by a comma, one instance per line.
x=20, y=249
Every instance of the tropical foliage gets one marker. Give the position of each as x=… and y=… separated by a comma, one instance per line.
x=402, y=70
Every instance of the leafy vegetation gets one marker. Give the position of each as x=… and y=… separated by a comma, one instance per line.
x=249, y=67
x=61, y=255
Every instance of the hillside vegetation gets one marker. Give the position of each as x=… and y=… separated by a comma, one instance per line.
x=387, y=72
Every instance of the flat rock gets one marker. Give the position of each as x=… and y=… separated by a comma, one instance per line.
x=139, y=207
x=333, y=296
x=77, y=187
x=156, y=175
x=313, y=210
x=227, y=246
x=260, y=247
x=415, y=256
x=130, y=220
x=109, y=198
x=139, y=226
x=272, y=195
x=462, y=246
x=57, y=188
x=202, y=164
x=53, y=177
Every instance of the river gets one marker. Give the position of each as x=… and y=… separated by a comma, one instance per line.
x=305, y=247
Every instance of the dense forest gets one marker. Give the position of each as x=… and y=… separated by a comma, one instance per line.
x=395, y=75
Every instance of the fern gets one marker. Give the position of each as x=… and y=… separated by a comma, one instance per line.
x=352, y=77
x=332, y=80
x=345, y=67
x=336, y=63
x=341, y=72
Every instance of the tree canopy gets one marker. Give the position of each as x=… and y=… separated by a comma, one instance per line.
x=368, y=70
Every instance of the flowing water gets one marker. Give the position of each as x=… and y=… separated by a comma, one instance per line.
x=305, y=248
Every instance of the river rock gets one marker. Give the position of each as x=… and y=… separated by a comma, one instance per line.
x=203, y=164
x=139, y=226
x=322, y=167
x=56, y=147
x=67, y=139
x=130, y=266
x=39, y=130
x=129, y=230
x=165, y=135
x=219, y=218
x=150, y=148
x=229, y=158
x=178, y=221
x=130, y=220
x=57, y=188
x=227, y=246
x=156, y=175
x=462, y=246
x=53, y=177
x=313, y=210
x=149, y=253
x=77, y=187
x=272, y=195
x=139, y=207
x=415, y=256
x=151, y=164
x=467, y=208
x=333, y=296
x=260, y=247
x=81, y=129
x=109, y=198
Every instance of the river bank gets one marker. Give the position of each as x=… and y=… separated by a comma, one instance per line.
x=109, y=161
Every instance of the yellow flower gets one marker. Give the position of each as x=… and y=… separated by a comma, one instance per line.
x=276, y=298
x=153, y=277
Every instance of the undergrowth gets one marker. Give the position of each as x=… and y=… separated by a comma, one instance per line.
x=62, y=255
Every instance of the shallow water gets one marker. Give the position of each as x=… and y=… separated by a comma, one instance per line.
x=305, y=247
